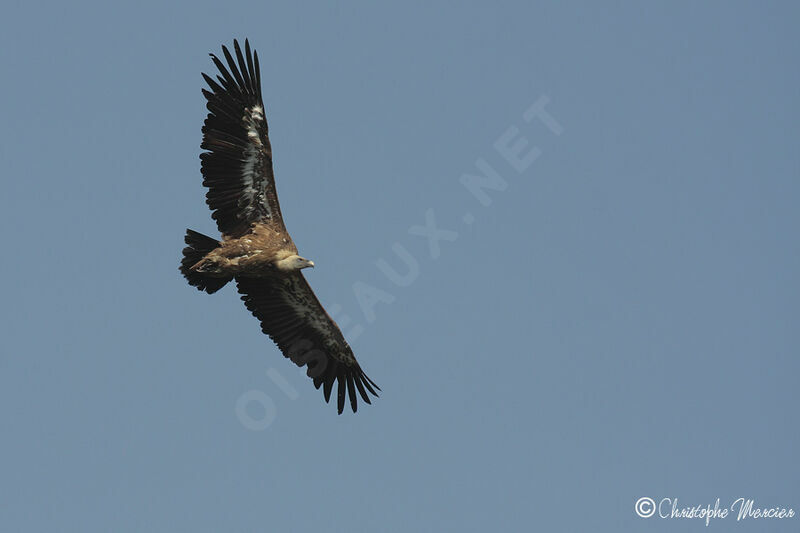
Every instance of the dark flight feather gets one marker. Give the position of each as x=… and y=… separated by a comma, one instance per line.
x=283, y=305
x=238, y=157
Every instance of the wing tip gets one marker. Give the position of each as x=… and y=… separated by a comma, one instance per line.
x=351, y=383
x=239, y=77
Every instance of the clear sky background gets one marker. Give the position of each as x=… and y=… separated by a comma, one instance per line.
x=620, y=321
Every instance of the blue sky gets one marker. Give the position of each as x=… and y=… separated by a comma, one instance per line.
x=617, y=319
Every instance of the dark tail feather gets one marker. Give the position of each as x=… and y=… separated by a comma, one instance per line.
x=198, y=246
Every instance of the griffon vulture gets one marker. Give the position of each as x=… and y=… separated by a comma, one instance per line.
x=256, y=250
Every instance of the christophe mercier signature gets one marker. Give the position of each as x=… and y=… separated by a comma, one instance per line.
x=740, y=508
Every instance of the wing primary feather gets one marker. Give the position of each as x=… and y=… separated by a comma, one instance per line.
x=211, y=83
x=258, y=74
x=371, y=382
x=327, y=387
x=368, y=383
x=361, y=391
x=340, y=390
x=351, y=389
x=226, y=79
x=233, y=69
x=243, y=67
x=251, y=71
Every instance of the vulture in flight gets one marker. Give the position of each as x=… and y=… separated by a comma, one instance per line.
x=256, y=250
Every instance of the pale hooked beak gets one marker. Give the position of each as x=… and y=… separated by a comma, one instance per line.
x=311, y=264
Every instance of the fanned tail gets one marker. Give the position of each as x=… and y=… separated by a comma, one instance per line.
x=198, y=246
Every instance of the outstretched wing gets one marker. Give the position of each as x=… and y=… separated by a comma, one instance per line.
x=237, y=167
x=292, y=316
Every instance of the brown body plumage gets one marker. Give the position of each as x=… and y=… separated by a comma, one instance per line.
x=256, y=250
x=257, y=253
